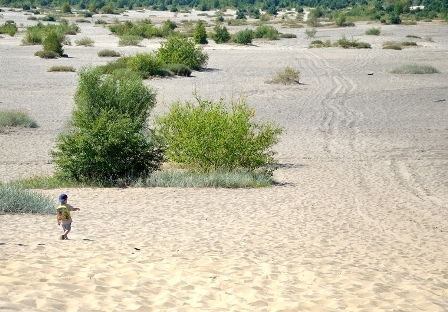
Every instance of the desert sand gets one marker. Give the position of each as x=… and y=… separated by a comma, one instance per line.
x=358, y=222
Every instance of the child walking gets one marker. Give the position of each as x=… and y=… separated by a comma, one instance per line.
x=63, y=215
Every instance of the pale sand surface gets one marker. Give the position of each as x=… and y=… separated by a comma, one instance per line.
x=358, y=223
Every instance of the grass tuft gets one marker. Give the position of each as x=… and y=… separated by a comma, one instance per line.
x=286, y=76
x=85, y=41
x=415, y=69
x=62, y=69
x=15, y=199
x=108, y=53
x=15, y=118
x=373, y=31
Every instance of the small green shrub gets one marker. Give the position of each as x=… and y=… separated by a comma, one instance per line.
x=14, y=199
x=373, y=31
x=286, y=76
x=146, y=64
x=49, y=18
x=413, y=36
x=9, y=27
x=392, y=47
x=62, y=69
x=180, y=50
x=213, y=137
x=82, y=20
x=353, y=43
x=287, y=36
x=243, y=36
x=47, y=54
x=221, y=34
x=310, y=32
x=200, y=34
x=415, y=69
x=130, y=40
x=266, y=32
x=84, y=41
x=108, y=53
x=320, y=44
x=53, y=42
x=16, y=118
x=178, y=69
x=100, y=22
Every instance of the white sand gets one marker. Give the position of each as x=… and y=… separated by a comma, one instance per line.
x=359, y=222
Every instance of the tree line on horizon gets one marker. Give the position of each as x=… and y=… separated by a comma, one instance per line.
x=431, y=8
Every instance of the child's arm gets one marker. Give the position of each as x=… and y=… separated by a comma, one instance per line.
x=58, y=218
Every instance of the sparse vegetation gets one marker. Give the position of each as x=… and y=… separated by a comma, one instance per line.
x=84, y=41
x=15, y=199
x=415, y=69
x=320, y=44
x=129, y=40
x=353, y=43
x=108, y=53
x=393, y=45
x=373, y=31
x=62, y=69
x=16, y=118
x=286, y=76
x=310, y=32
x=9, y=27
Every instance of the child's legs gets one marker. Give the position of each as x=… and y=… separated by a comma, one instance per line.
x=66, y=228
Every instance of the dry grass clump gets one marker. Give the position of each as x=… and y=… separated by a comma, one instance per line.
x=393, y=45
x=320, y=44
x=15, y=199
x=62, y=69
x=47, y=54
x=373, y=31
x=286, y=76
x=108, y=53
x=16, y=118
x=415, y=69
x=84, y=41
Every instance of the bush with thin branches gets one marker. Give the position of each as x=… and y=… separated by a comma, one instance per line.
x=415, y=69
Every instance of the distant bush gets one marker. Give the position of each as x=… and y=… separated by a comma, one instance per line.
x=62, y=69
x=243, y=36
x=100, y=22
x=129, y=40
x=373, y=31
x=82, y=20
x=353, y=43
x=146, y=64
x=415, y=69
x=413, y=36
x=178, y=69
x=408, y=44
x=108, y=53
x=392, y=47
x=47, y=54
x=221, y=34
x=287, y=36
x=266, y=32
x=36, y=34
x=53, y=43
x=310, y=32
x=320, y=44
x=16, y=118
x=84, y=41
x=14, y=199
x=200, y=35
x=180, y=50
x=286, y=76
x=213, y=137
x=9, y=27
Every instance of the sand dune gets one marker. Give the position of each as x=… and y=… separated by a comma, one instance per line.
x=359, y=221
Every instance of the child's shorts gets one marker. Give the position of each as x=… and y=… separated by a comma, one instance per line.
x=67, y=227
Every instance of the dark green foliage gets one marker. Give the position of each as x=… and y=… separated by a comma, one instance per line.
x=146, y=64
x=221, y=34
x=211, y=136
x=240, y=14
x=177, y=69
x=244, y=36
x=65, y=8
x=266, y=32
x=180, y=50
x=143, y=30
x=395, y=19
x=53, y=43
x=109, y=139
x=47, y=54
x=200, y=34
x=9, y=27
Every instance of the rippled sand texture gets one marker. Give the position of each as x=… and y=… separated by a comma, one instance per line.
x=358, y=222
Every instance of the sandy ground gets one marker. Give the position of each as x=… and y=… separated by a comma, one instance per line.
x=358, y=223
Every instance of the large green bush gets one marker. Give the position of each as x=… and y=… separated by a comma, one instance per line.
x=181, y=50
x=108, y=139
x=9, y=27
x=266, y=32
x=211, y=136
x=53, y=42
